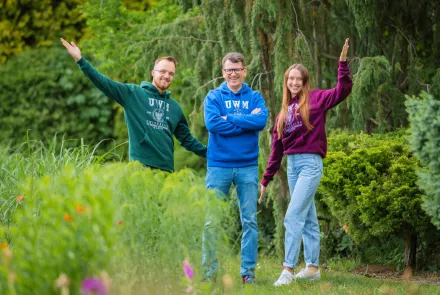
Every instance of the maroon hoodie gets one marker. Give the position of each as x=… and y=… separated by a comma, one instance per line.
x=296, y=138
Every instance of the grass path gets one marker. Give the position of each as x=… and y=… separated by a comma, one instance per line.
x=331, y=283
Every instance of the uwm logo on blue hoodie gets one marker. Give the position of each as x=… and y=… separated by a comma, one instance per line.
x=233, y=142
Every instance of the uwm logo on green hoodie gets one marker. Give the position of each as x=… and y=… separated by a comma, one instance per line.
x=152, y=119
x=159, y=114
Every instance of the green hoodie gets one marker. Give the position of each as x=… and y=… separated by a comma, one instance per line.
x=151, y=117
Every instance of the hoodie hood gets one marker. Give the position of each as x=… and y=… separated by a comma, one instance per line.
x=151, y=88
x=225, y=90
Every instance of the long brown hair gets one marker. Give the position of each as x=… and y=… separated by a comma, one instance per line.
x=303, y=103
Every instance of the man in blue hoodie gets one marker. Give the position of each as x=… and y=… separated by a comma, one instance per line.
x=234, y=115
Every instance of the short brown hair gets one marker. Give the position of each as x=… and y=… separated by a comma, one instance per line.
x=233, y=57
x=168, y=58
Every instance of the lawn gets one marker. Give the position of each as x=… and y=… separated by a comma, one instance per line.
x=332, y=282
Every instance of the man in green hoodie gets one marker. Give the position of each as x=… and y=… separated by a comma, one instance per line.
x=151, y=115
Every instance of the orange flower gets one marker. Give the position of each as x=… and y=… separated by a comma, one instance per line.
x=3, y=245
x=19, y=199
x=81, y=209
x=67, y=217
x=119, y=223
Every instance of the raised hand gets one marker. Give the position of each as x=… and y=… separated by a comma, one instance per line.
x=73, y=50
x=344, y=51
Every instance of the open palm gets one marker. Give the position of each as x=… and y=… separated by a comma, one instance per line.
x=344, y=51
x=73, y=50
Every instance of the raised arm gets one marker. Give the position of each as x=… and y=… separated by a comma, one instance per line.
x=112, y=89
x=256, y=120
x=214, y=122
x=332, y=97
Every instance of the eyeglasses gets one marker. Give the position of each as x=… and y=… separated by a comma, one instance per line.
x=163, y=72
x=229, y=71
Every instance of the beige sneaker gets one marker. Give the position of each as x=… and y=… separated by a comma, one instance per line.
x=307, y=274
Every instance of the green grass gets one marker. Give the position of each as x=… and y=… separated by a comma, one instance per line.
x=332, y=282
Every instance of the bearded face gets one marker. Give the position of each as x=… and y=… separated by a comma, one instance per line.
x=163, y=74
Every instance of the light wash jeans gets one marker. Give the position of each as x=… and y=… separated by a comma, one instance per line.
x=304, y=173
x=246, y=182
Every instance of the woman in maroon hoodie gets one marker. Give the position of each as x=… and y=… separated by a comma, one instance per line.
x=299, y=133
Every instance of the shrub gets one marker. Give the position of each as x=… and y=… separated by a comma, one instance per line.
x=51, y=96
x=370, y=187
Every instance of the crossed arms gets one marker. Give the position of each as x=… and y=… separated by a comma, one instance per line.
x=234, y=124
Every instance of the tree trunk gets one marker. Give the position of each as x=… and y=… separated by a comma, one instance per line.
x=316, y=58
x=410, y=249
x=280, y=202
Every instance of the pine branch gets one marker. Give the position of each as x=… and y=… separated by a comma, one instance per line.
x=259, y=75
x=207, y=83
x=330, y=56
x=412, y=46
x=184, y=37
x=296, y=16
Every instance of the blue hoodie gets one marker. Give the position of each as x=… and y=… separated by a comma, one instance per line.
x=233, y=142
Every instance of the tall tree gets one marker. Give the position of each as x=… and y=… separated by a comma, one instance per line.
x=425, y=141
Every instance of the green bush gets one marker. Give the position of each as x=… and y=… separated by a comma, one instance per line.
x=44, y=91
x=370, y=187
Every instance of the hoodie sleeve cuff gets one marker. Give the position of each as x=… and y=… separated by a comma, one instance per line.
x=82, y=61
x=265, y=182
x=343, y=63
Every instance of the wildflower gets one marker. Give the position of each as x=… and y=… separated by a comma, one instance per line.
x=3, y=245
x=189, y=289
x=345, y=228
x=67, y=217
x=93, y=286
x=189, y=272
x=19, y=199
x=62, y=283
x=80, y=209
x=119, y=223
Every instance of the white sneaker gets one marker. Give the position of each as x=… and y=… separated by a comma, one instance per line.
x=285, y=278
x=307, y=274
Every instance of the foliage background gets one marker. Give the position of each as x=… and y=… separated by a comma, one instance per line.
x=395, y=69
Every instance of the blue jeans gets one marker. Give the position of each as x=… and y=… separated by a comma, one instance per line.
x=304, y=173
x=246, y=182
